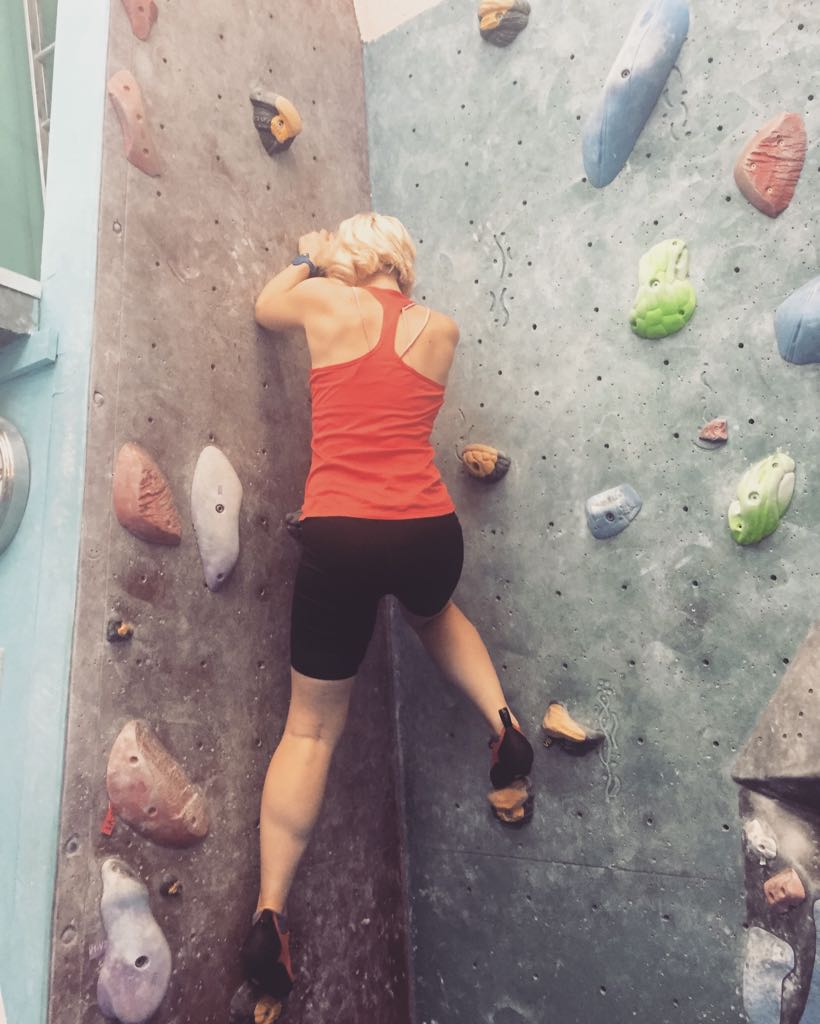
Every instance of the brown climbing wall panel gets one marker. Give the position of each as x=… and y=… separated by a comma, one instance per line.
x=178, y=366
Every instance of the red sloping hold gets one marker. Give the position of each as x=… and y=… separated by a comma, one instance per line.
x=127, y=99
x=150, y=791
x=715, y=430
x=767, y=170
x=142, y=14
x=143, y=501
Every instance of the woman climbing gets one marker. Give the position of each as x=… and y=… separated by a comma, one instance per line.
x=376, y=520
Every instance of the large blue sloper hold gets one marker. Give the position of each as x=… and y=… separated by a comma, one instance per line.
x=632, y=87
x=797, y=324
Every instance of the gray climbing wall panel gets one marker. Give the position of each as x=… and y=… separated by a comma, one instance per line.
x=625, y=897
x=178, y=364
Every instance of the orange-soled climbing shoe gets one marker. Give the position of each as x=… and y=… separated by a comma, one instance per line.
x=561, y=727
x=266, y=955
x=512, y=805
x=511, y=754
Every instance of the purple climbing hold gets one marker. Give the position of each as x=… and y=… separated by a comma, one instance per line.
x=136, y=966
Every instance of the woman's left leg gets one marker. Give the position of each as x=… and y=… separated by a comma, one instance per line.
x=296, y=779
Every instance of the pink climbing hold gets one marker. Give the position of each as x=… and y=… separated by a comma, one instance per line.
x=767, y=170
x=150, y=791
x=784, y=891
x=715, y=430
x=127, y=99
x=142, y=14
x=143, y=501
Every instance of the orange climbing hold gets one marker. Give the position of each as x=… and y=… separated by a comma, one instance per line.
x=561, y=727
x=485, y=462
x=143, y=501
x=142, y=14
x=127, y=99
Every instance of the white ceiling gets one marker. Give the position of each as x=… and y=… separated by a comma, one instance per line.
x=378, y=16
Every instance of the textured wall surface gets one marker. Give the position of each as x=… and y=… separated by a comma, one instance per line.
x=625, y=897
x=178, y=363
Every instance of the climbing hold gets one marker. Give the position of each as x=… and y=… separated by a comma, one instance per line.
x=784, y=891
x=768, y=961
x=666, y=299
x=484, y=463
x=136, y=966
x=632, y=88
x=763, y=495
x=14, y=481
x=277, y=121
x=142, y=14
x=760, y=840
x=171, y=887
x=143, y=501
x=250, y=1005
x=715, y=430
x=767, y=169
x=293, y=524
x=512, y=805
x=812, y=1010
x=797, y=324
x=562, y=728
x=150, y=791
x=117, y=631
x=781, y=758
x=216, y=497
x=500, y=21
x=127, y=99
x=610, y=512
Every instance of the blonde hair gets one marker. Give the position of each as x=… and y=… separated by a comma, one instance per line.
x=369, y=243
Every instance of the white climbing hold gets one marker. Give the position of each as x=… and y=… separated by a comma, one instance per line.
x=136, y=968
x=216, y=497
x=760, y=840
x=768, y=961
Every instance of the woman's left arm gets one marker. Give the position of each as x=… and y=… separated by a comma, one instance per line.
x=289, y=297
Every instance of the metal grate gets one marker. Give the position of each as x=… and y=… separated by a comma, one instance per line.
x=37, y=54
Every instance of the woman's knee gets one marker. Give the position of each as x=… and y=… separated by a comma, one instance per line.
x=318, y=708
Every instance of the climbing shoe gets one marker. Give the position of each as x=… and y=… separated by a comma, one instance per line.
x=561, y=727
x=511, y=754
x=266, y=955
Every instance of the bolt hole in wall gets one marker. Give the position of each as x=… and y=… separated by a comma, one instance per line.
x=696, y=607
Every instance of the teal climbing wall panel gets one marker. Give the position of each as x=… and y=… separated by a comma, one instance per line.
x=625, y=897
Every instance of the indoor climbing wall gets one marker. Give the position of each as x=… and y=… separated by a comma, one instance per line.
x=626, y=897
x=198, y=446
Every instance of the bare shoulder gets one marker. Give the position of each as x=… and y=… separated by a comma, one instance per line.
x=322, y=293
x=446, y=325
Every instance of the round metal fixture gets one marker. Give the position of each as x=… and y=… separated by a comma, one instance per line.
x=14, y=481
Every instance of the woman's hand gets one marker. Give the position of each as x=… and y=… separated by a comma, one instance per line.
x=318, y=245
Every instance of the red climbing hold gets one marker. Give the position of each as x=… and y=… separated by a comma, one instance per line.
x=127, y=99
x=109, y=822
x=143, y=500
x=715, y=430
x=142, y=14
x=767, y=170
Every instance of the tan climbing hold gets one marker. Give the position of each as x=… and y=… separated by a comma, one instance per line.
x=267, y=1010
x=142, y=14
x=286, y=123
x=277, y=121
x=143, y=501
x=500, y=21
x=513, y=804
x=151, y=792
x=484, y=462
x=127, y=99
x=784, y=891
x=559, y=725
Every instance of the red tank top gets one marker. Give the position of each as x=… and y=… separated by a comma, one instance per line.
x=372, y=419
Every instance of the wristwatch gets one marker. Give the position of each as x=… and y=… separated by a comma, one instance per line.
x=297, y=260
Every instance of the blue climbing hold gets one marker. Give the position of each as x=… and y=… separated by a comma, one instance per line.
x=797, y=324
x=632, y=88
x=768, y=960
x=610, y=512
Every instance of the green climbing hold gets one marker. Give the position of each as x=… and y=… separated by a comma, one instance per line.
x=666, y=299
x=763, y=495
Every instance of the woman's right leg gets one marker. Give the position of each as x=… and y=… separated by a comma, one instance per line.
x=454, y=644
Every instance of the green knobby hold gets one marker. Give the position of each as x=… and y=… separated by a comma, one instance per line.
x=763, y=495
x=666, y=299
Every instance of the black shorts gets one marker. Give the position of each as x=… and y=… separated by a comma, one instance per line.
x=348, y=565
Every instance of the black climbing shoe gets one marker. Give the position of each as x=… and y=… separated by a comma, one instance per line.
x=266, y=955
x=511, y=754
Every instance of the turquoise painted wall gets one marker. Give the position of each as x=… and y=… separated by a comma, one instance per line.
x=38, y=571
